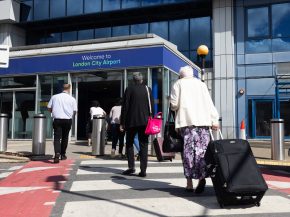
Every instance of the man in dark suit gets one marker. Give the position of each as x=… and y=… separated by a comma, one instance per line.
x=134, y=117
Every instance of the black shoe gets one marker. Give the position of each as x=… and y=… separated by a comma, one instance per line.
x=200, y=187
x=289, y=152
x=56, y=158
x=142, y=174
x=63, y=157
x=128, y=172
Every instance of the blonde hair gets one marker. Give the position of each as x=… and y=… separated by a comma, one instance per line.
x=185, y=71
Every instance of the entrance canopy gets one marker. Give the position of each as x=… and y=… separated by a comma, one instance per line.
x=99, y=54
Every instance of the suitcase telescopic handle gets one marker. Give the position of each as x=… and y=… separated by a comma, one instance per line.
x=211, y=135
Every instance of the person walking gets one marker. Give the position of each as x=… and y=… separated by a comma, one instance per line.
x=117, y=134
x=95, y=109
x=63, y=108
x=195, y=114
x=134, y=115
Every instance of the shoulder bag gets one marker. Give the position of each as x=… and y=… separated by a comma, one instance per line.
x=154, y=123
x=172, y=142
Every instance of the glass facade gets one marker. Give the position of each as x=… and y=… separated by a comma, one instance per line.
x=263, y=43
x=32, y=10
x=268, y=28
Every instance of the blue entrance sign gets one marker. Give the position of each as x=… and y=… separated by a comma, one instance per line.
x=137, y=57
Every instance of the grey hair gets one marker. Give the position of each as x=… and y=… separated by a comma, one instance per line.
x=186, y=71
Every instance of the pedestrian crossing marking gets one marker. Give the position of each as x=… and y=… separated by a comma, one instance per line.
x=105, y=162
x=170, y=206
x=122, y=183
x=116, y=170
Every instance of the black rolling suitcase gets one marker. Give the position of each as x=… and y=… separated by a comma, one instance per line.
x=235, y=175
x=161, y=156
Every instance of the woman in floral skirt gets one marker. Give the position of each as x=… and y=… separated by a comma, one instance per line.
x=195, y=114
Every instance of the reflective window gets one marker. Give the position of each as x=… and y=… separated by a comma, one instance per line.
x=151, y=2
x=258, y=46
x=110, y=5
x=200, y=32
x=131, y=3
x=120, y=30
x=103, y=32
x=174, y=1
x=160, y=29
x=41, y=9
x=26, y=10
x=57, y=8
x=69, y=36
x=17, y=82
x=281, y=44
x=74, y=7
x=281, y=20
x=179, y=33
x=53, y=37
x=258, y=22
x=85, y=34
x=139, y=29
x=92, y=6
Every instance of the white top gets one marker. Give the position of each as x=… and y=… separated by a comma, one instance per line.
x=115, y=114
x=96, y=111
x=63, y=106
x=192, y=102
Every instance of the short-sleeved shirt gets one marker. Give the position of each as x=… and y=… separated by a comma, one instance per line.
x=63, y=106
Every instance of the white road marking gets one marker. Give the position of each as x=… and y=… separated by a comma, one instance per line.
x=278, y=184
x=4, y=175
x=172, y=206
x=32, y=169
x=104, y=162
x=11, y=190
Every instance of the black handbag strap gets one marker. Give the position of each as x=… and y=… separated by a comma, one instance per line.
x=149, y=101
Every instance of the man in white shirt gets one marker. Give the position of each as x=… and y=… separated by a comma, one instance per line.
x=63, y=107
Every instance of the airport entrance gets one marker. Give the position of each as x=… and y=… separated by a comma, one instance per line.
x=105, y=87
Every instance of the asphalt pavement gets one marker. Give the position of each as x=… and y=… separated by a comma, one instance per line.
x=86, y=185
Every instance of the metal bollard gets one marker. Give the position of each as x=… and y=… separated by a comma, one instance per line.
x=277, y=142
x=3, y=131
x=39, y=134
x=98, y=135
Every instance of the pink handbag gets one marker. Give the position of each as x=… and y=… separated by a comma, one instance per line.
x=154, y=124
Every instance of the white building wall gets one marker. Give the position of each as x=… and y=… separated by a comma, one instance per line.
x=224, y=64
x=10, y=34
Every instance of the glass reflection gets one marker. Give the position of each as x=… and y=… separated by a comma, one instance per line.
x=41, y=9
x=86, y=34
x=110, y=5
x=281, y=44
x=130, y=3
x=103, y=32
x=120, y=30
x=258, y=22
x=26, y=10
x=53, y=37
x=200, y=32
x=139, y=29
x=74, y=7
x=281, y=20
x=179, y=34
x=160, y=29
x=69, y=36
x=151, y=2
x=92, y=6
x=57, y=8
x=258, y=46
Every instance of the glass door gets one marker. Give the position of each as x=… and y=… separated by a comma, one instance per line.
x=23, y=115
x=260, y=114
x=6, y=106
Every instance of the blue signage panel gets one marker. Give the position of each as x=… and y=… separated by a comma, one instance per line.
x=140, y=57
x=174, y=62
x=137, y=57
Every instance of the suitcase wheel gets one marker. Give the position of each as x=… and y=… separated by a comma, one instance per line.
x=170, y=159
x=258, y=204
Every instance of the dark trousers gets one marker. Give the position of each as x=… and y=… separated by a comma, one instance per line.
x=61, y=128
x=117, y=135
x=143, y=142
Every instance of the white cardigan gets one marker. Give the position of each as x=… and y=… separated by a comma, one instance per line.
x=192, y=102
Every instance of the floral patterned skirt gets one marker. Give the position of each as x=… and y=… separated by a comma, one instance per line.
x=196, y=140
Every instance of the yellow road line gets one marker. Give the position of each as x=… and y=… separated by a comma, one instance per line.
x=273, y=162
